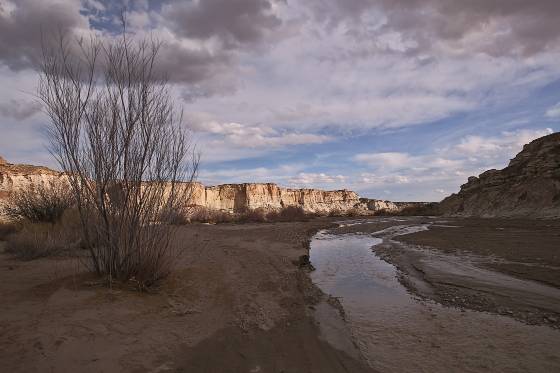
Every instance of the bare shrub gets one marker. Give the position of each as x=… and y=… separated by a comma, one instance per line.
x=288, y=213
x=39, y=239
x=335, y=213
x=45, y=202
x=257, y=215
x=425, y=209
x=354, y=212
x=205, y=215
x=116, y=134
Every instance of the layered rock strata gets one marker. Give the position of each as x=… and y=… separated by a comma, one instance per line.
x=528, y=187
x=226, y=197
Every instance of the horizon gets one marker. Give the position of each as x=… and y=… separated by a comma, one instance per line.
x=389, y=101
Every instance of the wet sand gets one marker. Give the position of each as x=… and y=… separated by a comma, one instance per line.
x=238, y=302
x=398, y=324
x=503, y=266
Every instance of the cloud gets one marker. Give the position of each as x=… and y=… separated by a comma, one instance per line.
x=391, y=160
x=251, y=136
x=304, y=178
x=493, y=147
x=23, y=22
x=493, y=27
x=445, y=168
x=233, y=23
x=19, y=109
x=279, y=174
x=554, y=111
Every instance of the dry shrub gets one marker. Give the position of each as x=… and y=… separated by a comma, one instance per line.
x=40, y=203
x=335, y=213
x=257, y=215
x=427, y=209
x=204, y=215
x=174, y=217
x=39, y=239
x=117, y=135
x=289, y=213
x=354, y=212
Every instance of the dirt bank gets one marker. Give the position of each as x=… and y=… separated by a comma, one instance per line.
x=237, y=303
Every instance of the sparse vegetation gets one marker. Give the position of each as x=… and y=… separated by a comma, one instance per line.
x=288, y=213
x=45, y=202
x=426, y=209
x=34, y=240
x=116, y=134
x=258, y=215
x=204, y=215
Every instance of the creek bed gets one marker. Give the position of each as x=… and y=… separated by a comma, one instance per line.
x=396, y=332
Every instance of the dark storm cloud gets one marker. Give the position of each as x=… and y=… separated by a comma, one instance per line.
x=22, y=26
x=507, y=26
x=234, y=22
x=185, y=56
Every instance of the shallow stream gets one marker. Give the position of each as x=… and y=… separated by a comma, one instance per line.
x=396, y=332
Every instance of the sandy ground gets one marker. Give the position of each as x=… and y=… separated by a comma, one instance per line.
x=237, y=302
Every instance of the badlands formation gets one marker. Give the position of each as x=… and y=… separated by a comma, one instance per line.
x=227, y=197
x=528, y=187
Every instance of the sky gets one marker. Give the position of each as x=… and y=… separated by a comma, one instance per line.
x=394, y=99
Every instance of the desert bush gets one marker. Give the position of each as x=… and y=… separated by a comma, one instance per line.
x=354, y=212
x=428, y=209
x=40, y=203
x=116, y=134
x=205, y=215
x=257, y=215
x=335, y=213
x=39, y=239
x=174, y=217
x=288, y=213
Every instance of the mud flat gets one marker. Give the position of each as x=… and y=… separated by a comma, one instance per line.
x=414, y=307
x=239, y=302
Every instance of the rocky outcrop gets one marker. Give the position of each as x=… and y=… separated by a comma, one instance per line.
x=227, y=197
x=241, y=197
x=528, y=187
x=18, y=176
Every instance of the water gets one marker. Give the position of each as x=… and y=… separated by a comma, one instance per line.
x=396, y=332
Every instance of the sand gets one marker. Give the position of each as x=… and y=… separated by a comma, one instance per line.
x=237, y=302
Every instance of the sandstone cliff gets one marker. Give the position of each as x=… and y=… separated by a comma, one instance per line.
x=528, y=187
x=20, y=176
x=227, y=197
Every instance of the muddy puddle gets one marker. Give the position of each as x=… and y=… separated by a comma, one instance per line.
x=396, y=332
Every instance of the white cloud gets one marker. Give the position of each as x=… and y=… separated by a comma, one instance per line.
x=392, y=160
x=492, y=147
x=316, y=178
x=554, y=111
x=442, y=169
x=252, y=136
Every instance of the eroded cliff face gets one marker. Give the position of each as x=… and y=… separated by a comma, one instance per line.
x=240, y=197
x=528, y=187
x=18, y=176
x=226, y=197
